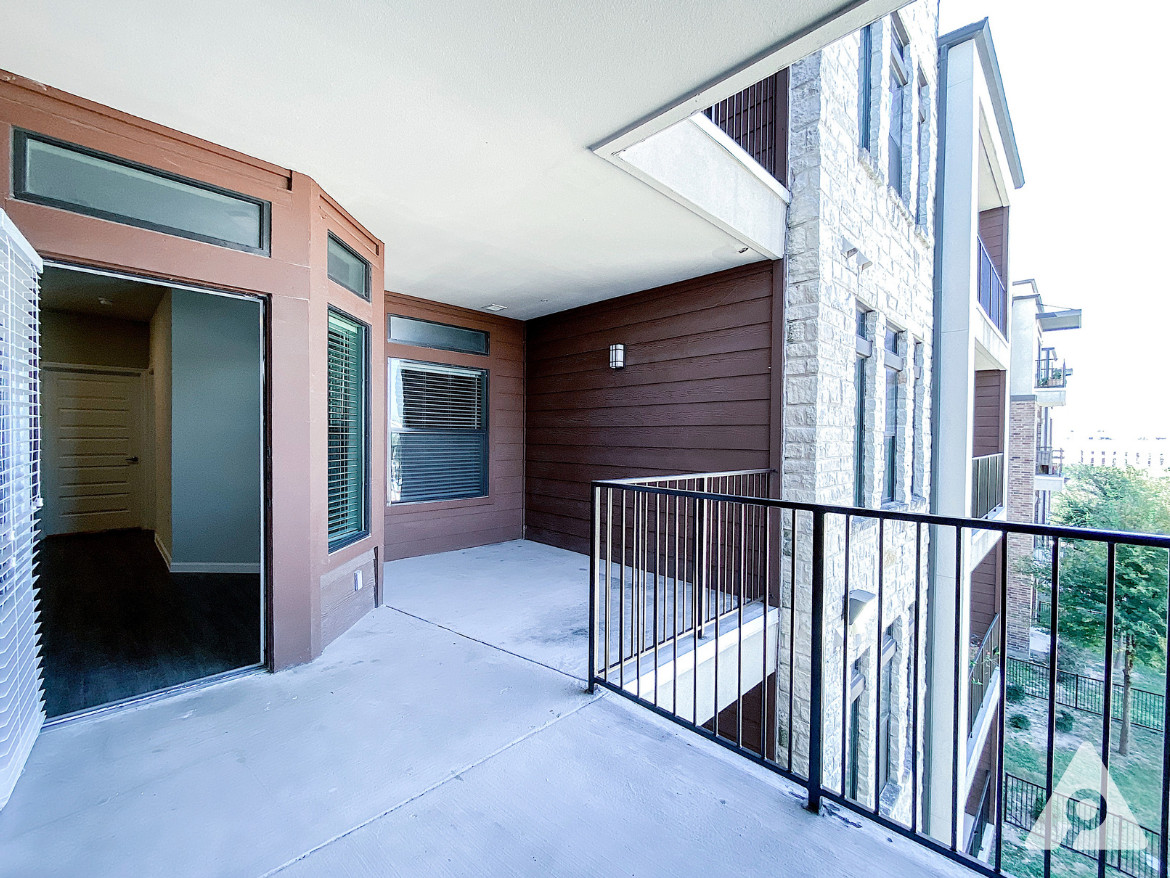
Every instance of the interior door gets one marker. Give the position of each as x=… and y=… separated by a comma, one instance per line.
x=21, y=711
x=92, y=444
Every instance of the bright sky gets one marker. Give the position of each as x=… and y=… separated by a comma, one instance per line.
x=1087, y=95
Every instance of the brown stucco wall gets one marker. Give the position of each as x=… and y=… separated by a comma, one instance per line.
x=292, y=282
x=440, y=526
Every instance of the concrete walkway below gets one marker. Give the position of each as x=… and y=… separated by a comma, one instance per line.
x=448, y=736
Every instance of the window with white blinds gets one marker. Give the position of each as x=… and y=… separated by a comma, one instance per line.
x=438, y=432
x=348, y=430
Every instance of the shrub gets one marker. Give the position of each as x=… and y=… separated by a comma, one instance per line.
x=1015, y=693
x=1019, y=721
x=1064, y=721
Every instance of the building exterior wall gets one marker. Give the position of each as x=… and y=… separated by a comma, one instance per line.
x=845, y=214
x=1021, y=499
x=696, y=395
x=988, y=432
x=293, y=283
x=440, y=526
x=993, y=232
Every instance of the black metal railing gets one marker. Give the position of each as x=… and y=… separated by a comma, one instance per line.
x=1051, y=371
x=983, y=667
x=795, y=635
x=757, y=118
x=993, y=296
x=1146, y=709
x=1049, y=461
x=986, y=484
x=1024, y=802
x=984, y=817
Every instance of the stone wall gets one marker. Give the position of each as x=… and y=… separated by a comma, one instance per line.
x=854, y=242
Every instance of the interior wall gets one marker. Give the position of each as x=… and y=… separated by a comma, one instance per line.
x=160, y=378
x=696, y=394
x=423, y=528
x=215, y=433
x=93, y=340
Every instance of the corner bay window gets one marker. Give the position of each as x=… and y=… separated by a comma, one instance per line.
x=438, y=432
x=348, y=396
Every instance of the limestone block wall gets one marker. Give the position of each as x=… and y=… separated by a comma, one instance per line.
x=844, y=214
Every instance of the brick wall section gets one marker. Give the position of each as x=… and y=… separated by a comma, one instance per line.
x=841, y=192
x=1023, y=415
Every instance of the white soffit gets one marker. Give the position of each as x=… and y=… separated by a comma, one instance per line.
x=459, y=133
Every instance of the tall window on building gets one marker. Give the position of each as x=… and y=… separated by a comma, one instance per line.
x=899, y=77
x=348, y=400
x=917, y=470
x=438, y=432
x=864, y=351
x=864, y=86
x=852, y=756
x=885, y=710
x=922, y=148
x=894, y=365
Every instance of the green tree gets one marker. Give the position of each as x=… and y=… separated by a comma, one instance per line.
x=1108, y=498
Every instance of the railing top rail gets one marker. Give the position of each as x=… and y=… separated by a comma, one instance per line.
x=991, y=632
x=988, y=456
x=687, y=477
x=1155, y=541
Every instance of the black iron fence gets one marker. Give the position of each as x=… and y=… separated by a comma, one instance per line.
x=1146, y=709
x=986, y=484
x=1051, y=371
x=795, y=635
x=1134, y=847
x=993, y=296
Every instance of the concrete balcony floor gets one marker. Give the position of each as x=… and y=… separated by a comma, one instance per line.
x=447, y=733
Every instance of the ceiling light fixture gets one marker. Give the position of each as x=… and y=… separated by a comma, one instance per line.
x=495, y=307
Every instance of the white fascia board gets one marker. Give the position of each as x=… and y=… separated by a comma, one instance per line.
x=696, y=164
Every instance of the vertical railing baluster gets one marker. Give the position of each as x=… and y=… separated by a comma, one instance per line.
x=816, y=659
x=1165, y=800
x=960, y=680
x=1054, y=622
x=608, y=575
x=792, y=643
x=675, y=633
x=594, y=565
x=638, y=607
x=718, y=593
x=1107, y=703
x=881, y=644
x=739, y=660
x=764, y=650
x=657, y=576
x=916, y=658
x=1002, y=717
x=846, y=702
x=622, y=601
x=695, y=628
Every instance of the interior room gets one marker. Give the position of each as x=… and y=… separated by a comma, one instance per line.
x=150, y=547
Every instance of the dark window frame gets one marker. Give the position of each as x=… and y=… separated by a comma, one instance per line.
x=899, y=85
x=487, y=337
x=485, y=430
x=348, y=539
x=865, y=87
x=20, y=139
x=885, y=698
x=894, y=364
x=864, y=352
x=368, y=280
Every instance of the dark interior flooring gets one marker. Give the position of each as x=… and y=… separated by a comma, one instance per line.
x=116, y=624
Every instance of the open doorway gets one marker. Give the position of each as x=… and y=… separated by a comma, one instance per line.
x=151, y=534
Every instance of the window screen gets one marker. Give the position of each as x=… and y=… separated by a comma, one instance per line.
x=441, y=336
x=348, y=395
x=438, y=432
x=57, y=174
x=347, y=268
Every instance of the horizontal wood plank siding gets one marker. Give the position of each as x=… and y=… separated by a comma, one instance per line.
x=424, y=528
x=993, y=231
x=989, y=412
x=985, y=588
x=695, y=394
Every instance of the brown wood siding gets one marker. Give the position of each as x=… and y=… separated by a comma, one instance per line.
x=989, y=411
x=993, y=231
x=423, y=528
x=695, y=395
x=985, y=588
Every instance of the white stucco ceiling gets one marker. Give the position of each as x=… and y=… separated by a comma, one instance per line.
x=457, y=132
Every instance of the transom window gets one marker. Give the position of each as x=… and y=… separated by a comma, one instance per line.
x=440, y=336
x=345, y=267
x=438, y=432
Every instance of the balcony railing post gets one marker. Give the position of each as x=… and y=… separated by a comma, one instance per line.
x=816, y=659
x=594, y=567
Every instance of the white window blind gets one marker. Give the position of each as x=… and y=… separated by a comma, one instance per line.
x=348, y=341
x=438, y=432
x=21, y=703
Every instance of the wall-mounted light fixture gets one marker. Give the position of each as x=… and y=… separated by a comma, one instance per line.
x=617, y=356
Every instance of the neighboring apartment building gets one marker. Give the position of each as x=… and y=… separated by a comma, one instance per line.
x=979, y=169
x=1101, y=448
x=1039, y=383
x=859, y=355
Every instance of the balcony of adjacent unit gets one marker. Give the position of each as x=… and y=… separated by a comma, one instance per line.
x=1052, y=374
x=1049, y=468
